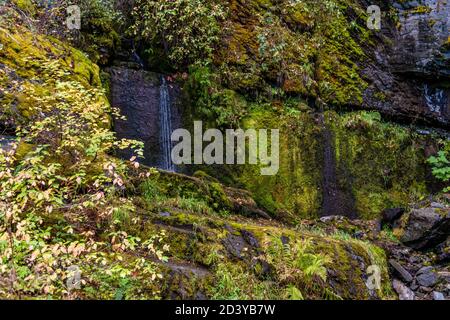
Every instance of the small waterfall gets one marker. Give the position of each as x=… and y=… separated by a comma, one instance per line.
x=165, y=117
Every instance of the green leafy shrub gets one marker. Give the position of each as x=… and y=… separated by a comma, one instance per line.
x=186, y=29
x=441, y=165
x=100, y=22
x=211, y=101
x=51, y=194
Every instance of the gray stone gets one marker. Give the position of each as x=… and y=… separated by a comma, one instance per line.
x=438, y=295
x=164, y=214
x=404, y=293
x=414, y=286
x=400, y=271
x=427, y=277
x=419, y=222
x=437, y=205
x=405, y=69
x=424, y=270
x=411, y=4
x=426, y=228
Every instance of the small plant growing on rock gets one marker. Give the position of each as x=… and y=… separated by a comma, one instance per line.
x=186, y=29
x=299, y=267
x=441, y=166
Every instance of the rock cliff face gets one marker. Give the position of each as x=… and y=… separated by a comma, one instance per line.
x=327, y=53
x=411, y=67
x=318, y=57
x=138, y=96
x=420, y=47
x=362, y=165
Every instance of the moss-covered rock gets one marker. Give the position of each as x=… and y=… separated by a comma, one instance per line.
x=25, y=5
x=22, y=55
x=235, y=257
x=304, y=48
x=202, y=189
x=376, y=164
x=223, y=243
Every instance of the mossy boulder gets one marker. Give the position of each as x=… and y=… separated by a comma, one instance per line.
x=23, y=52
x=204, y=189
x=238, y=257
x=303, y=48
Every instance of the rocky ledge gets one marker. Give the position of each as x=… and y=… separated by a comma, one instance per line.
x=417, y=243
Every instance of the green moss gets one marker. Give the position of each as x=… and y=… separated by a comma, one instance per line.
x=203, y=175
x=21, y=57
x=380, y=96
x=377, y=163
x=23, y=149
x=190, y=193
x=25, y=5
x=420, y=10
x=303, y=48
x=241, y=258
x=219, y=198
x=346, y=275
x=446, y=45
